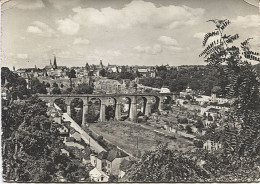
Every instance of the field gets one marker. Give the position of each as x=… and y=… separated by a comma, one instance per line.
x=126, y=135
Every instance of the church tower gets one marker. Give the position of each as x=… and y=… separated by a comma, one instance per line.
x=101, y=64
x=87, y=67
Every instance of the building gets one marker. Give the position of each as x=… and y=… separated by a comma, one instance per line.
x=212, y=145
x=108, y=162
x=98, y=176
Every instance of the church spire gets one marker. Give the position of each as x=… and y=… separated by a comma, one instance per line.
x=55, y=63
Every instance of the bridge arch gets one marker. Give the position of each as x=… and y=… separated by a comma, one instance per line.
x=76, y=110
x=123, y=105
x=93, y=112
x=110, y=108
x=141, y=105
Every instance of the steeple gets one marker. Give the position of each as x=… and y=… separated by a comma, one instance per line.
x=55, y=63
x=101, y=64
x=87, y=66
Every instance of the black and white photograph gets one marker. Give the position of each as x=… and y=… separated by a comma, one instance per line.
x=130, y=91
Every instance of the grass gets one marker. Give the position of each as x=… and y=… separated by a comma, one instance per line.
x=125, y=136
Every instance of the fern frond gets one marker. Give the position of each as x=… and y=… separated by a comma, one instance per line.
x=232, y=38
x=208, y=35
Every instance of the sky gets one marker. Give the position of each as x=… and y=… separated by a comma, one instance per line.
x=122, y=32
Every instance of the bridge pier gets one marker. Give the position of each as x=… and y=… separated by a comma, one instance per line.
x=160, y=103
x=118, y=111
x=133, y=109
x=68, y=109
x=148, y=107
x=102, y=117
x=84, y=112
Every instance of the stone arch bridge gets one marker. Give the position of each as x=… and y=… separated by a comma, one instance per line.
x=104, y=97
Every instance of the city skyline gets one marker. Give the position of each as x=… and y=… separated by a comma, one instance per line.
x=116, y=32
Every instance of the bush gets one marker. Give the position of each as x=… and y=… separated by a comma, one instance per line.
x=198, y=143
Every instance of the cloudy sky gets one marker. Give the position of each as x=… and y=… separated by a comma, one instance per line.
x=124, y=32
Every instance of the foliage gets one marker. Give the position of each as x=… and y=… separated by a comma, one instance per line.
x=188, y=129
x=122, y=75
x=164, y=165
x=38, y=87
x=31, y=146
x=241, y=129
x=83, y=88
x=76, y=114
x=198, y=143
x=56, y=90
x=109, y=112
x=71, y=73
x=199, y=78
x=14, y=83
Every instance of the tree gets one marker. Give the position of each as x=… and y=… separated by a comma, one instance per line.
x=83, y=88
x=56, y=90
x=216, y=90
x=164, y=165
x=241, y=135
x=198, y=143
x=199, y=124
x=188, y=97
x=109, y=112
x=31, y=146
x=55, y=85
x=103, y=73
x=188, y=129
x=72, y=73
x=38, y=87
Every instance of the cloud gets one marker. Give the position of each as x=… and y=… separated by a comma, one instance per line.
x=41, y=29
x=68, y=26
x=137, y=14
x=173, y=48
x=246, y=21
x=22, y=56
x=167, y=40
x=113, y=53
x=34, y=29
x=60, y=4
x=81, y=41
x=199, y=35
x=28, y=4
x=108, y=53
x=155, y=49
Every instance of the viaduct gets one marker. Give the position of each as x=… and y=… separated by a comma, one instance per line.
x=147, y=98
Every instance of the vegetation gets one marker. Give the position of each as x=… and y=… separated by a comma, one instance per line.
x=238, y=160
x=241, y=134
x=199, y=78
x=166, y=165
x=31, y=143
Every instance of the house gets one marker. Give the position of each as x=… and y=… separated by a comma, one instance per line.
x=98, y=176
x=212, y=145
x=65, y=152
x=75, y=135
x=108, y=162
x=165, y=90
